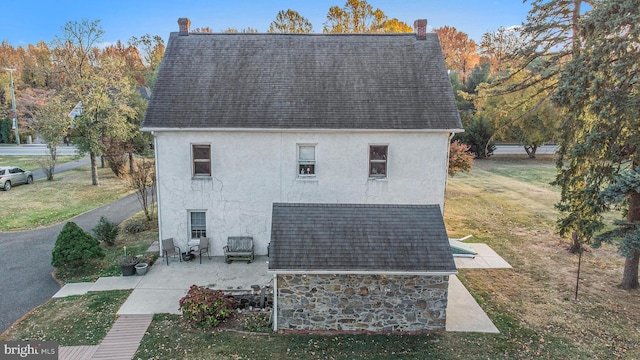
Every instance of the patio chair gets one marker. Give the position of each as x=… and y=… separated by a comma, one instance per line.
x=204, y=247
x=169, y=248
x=239, y=248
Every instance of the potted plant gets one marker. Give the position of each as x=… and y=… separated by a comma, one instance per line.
x=141, y=268
x=127, y=264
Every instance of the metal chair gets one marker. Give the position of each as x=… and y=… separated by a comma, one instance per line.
x=204, y=247
x=169, y=248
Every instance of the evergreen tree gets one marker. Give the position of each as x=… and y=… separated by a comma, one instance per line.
x=600, y=142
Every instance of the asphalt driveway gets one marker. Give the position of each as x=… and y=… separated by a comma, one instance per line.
x=25, y=267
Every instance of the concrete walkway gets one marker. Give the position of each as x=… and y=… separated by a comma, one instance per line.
x=160, y=289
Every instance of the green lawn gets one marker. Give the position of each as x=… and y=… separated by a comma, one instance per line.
x=507, y=203
x=30, y=162
x=44, y=203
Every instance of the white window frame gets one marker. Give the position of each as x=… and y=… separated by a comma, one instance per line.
x=190, y=224
x=300, y=162
x=384, y=161
x=194, y=161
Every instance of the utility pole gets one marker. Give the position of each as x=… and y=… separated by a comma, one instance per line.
x=13, y=105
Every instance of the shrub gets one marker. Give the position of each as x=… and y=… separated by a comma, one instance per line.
x=204, y=307
x=106, y=231
x=460, y=158
x=135, y=226
x=257, y=322
x=74, y=249
x=477, y=135
x=127, y=260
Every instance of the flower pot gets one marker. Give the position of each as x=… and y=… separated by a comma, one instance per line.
x=128, y=270
x=141, y=268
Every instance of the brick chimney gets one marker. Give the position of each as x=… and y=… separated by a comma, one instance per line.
x=420, y=27
x=185, y=25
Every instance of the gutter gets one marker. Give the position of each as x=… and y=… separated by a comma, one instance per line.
x=361, y=272
x=319, y=130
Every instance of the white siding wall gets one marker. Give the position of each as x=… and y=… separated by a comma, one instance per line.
x=252, y=170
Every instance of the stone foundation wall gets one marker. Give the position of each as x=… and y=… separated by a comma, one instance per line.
x=362, y=302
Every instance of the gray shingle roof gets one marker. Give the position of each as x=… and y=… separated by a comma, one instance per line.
x=359, y=237
x=297, y=81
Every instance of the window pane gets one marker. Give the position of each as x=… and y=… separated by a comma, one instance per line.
x=202, y=168
x=378, y=169
x=378, y=152
x=307, y=169
x=201, y=151
x=307, y=153
x=198, y=225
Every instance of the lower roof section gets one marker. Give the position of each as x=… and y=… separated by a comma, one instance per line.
x=359, y=238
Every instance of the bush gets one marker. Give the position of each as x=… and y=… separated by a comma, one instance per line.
x=135, y=226
x=477, y=135
x=74, y=249
x=106, y=231
x=204, y=307
x=257, y=322
x=460, y=158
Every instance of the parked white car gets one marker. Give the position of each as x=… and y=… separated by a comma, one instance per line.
x=12, y=175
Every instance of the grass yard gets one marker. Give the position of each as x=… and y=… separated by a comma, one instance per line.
x=30, y=162
x=46, y=203
x=504, y=202
x=71, y=321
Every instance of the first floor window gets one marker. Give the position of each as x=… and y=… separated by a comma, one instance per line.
x=198, y=224
x=378, y=161
x=201, y=160
x=306, y=160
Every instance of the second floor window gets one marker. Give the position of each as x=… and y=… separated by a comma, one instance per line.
x=201, y=160
x=378, y=161
x=306, y=160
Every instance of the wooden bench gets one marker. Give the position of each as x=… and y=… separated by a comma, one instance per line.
x=239, y=248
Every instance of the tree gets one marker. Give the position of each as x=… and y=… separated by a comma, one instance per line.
x=514, y=117
x=52, y=122
x=142, y=180
x=460, y=53
x=499, y=46
x=598, y=166
x=290, y=21
x=356, y=17
x=98, y=83
x=151, y=49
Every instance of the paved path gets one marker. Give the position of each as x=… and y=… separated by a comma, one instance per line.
x=26, y=260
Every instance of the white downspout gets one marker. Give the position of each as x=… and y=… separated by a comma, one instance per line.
x=275, y=303
x=155, y=153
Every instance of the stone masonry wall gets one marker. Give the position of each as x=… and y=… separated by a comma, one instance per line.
x=362, y=302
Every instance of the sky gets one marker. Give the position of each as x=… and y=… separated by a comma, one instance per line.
x=26, y=22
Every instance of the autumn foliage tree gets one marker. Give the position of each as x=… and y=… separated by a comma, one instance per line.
x=358, y=17
x=460, y=52
x=290, y=21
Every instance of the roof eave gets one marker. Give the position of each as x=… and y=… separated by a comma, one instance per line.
x=363, y=272
x=166, y=129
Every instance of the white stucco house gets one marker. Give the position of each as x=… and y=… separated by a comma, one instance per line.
x=243, y=121
x=330, y=151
